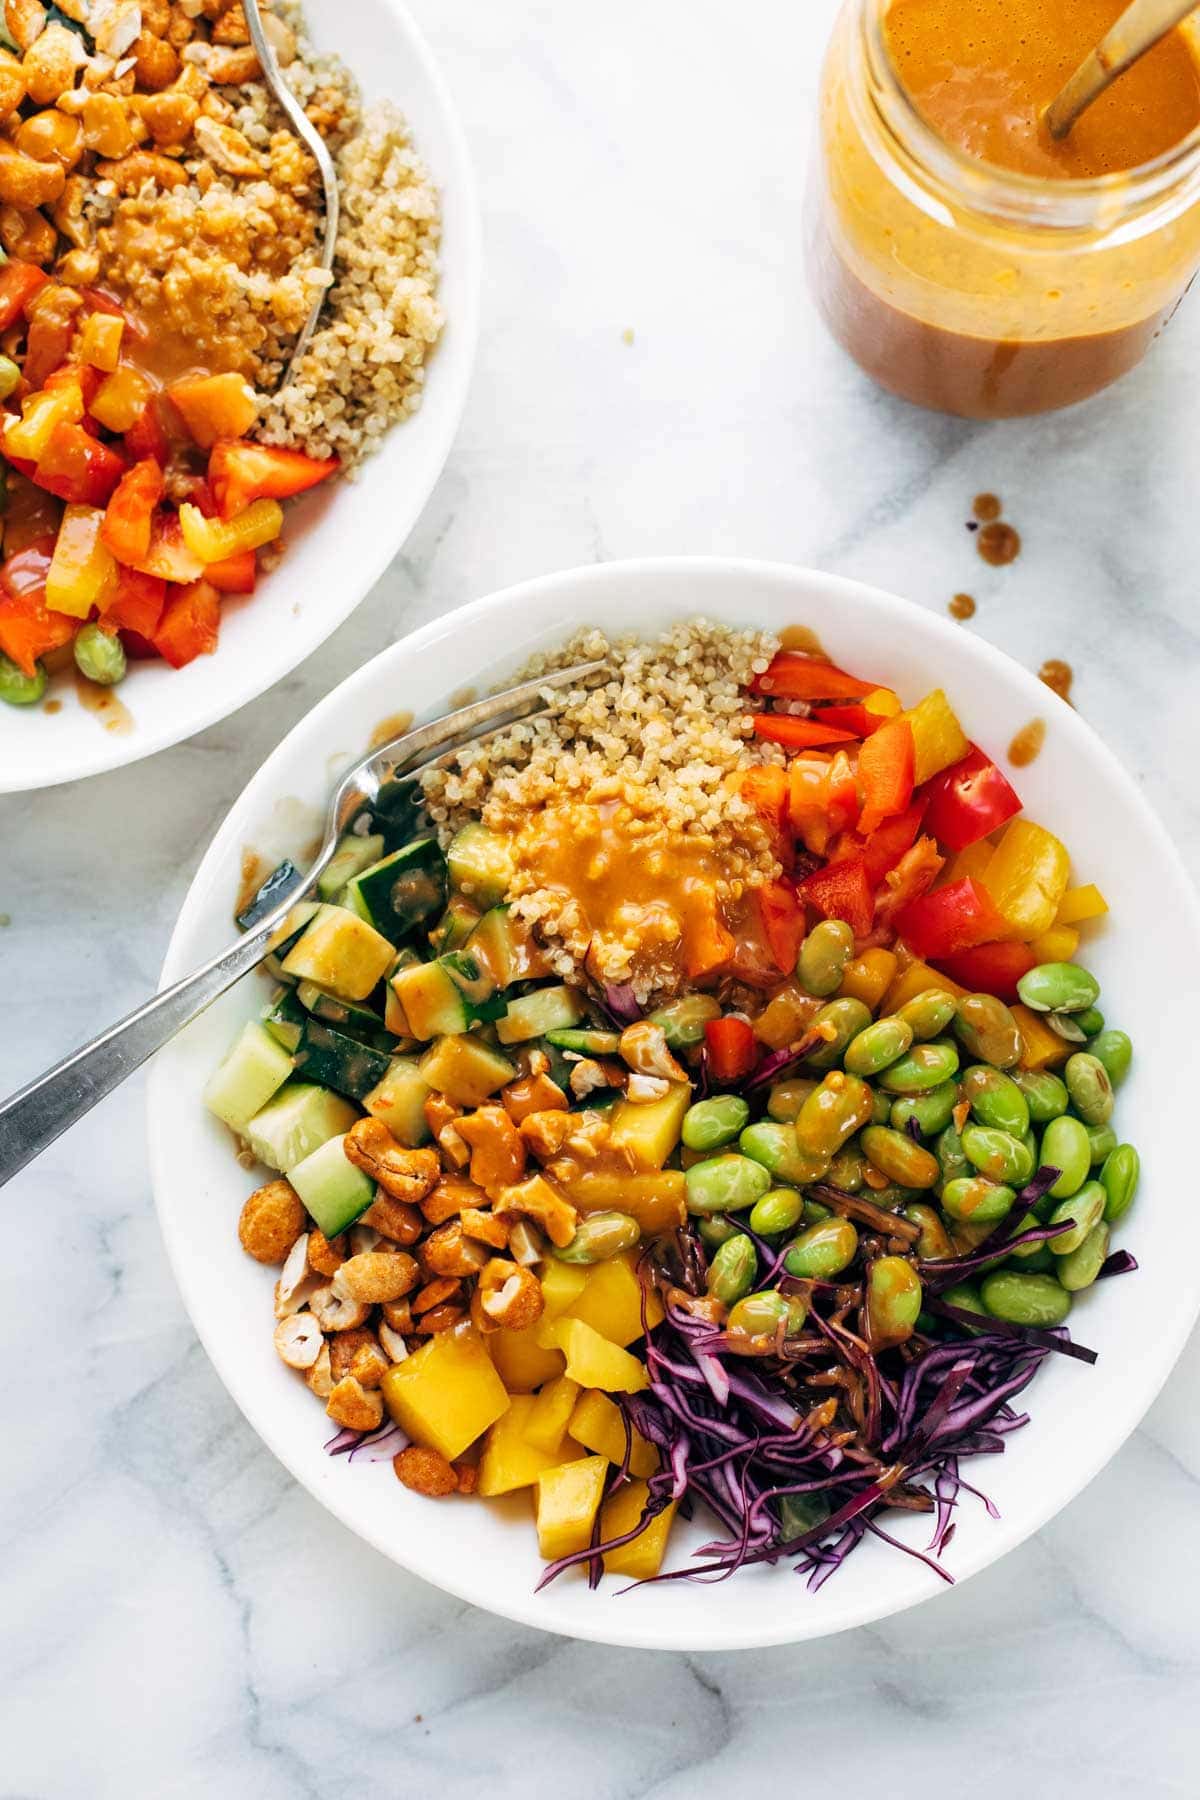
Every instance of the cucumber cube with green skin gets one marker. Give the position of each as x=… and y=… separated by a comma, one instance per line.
x=475, y=985
x=297, y=1121
x=455, y=925
x=255, y=1067
x=358, y=1021
x=535, y=1015
x=342, y=953
x=480, y=864
x=339, y=1062
x=285, y=1018
x=403, y=890
x=586, y=1043
x=465, y=1070
x=432, y=1003
x=333, y=1190
x=399, y=1100
x=275, y=888
x=352, y=856
x=502, y=946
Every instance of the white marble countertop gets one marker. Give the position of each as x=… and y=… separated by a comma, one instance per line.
x=179, y=1620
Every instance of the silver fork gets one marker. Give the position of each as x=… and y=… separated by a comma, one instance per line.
x=32, y=1119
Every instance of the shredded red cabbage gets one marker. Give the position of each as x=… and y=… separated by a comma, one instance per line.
x=621, y=1004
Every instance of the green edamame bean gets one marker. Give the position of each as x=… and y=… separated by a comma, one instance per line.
x=934, y=1244
x=777, y=1150
x=996, y=1100
x=1023, y=1299
x=99, y=655
x=683, y=1021
x=1059, y=987
x=894, y=1196
x=599, y=1236
x=832, y=1113
x=815, y=1211
x=895, y=1155
x=822, y=1251
x=845, y=1019
x=881, y=1107
x=932, y=1111
x=965, y=1295
x=987, y=1030
x=725, y=1184
x=893, y=1300
x=1102, y=1140
x=925, y=1066
x=762, y=1314
x=1080, y=1268
x=1115, y=1050
x=880, y=1044
x=1089, y=1086
x=974, y=1200
x=1091, y=1022
x=1065, y=1146
x=823, y=957
x=710, y=1124
x=10, y=377
x=1119, y=1178
x=998, y=1155
x=1033, y=1259
x=1085, y=1209
x=927, y=1015
x=949, y=1152
x=717, y=1231
x=799, y=1513
x=787, y=1097
x=17, y=688
x=733, y=1270
x=1045, y=1095
x=779, y=1210
x=848, y=1170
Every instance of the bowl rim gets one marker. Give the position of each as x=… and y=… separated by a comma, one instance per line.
x=316, y=625
x=1156, y=1361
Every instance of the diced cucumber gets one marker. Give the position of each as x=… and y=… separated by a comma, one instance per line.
x=338, y=1061
x=296, y=1122
x=399, y=1100
x=352, y=856
x=342, y=953
x=403, y=890
x=537, y=1014
x=464, y=1069
x=503, y=946
x=475, y=985
x=359, y=1021
x=455, y=925
x=285, y=1018
x=432, y=1003
x=275, y=888
x=333, y=1190
x=480, y=864
x=286, y=936
x=254, y=1068
x=586, y=1043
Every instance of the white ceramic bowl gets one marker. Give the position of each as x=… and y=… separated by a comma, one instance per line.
x=487, y=1553
x=340, y=540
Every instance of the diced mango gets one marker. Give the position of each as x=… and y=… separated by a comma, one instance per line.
x=99, y=341
x=215, y=406
x=658, y=1201
x=611, y=1300
x=938, y=738
x=465, y=1069
x=642, y=1556
x=591, y=1360
x=868, y=977
x=521, y=1361
x=509, y=1460
x=562, y=1284
x=916, y=979
x=1079, y=904
x=447, y=1393
x=596, y=1423
x=120, y=399
x=567, y=1499
x=786, y=1017
x=341, y=952
x=650, y=1132
x=551, y=1413
x=1027, y=878
x=1041, y=1048
x=1059, y=944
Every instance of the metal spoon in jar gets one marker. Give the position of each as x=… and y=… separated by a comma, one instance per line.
x=1139, y=28
x=307, y=131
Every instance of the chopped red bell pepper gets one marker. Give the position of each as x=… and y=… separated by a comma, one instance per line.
x=28, y=629
x=146, y=437
x=766, y=789
x=81, y=375
x=970, y=801
x=952, y=918
x=823, y=799
x=841, y=891
x=98, y=301
x=241, y=472
x=783, y=923
x=47, y=344
x=26, y=570
x=796, y=677
x=732, y=1048
x=19, y=282
x=137, y=647
x=990, y=968
x=889, y=841
x=853, y=717
x=137, y=604
x=886, y=766
x=237, y=574
x=77, y=468
x=129, y=515
x=168, y=555
x=796, y=733
x=190, y=623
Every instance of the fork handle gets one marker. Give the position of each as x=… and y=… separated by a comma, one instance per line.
x=32, y=1119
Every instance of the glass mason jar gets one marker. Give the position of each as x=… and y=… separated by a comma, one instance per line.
x=969, y=289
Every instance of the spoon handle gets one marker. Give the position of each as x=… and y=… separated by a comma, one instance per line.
x=1137, y=30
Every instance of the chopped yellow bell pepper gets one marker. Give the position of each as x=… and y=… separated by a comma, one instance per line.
x=212, y=540
x=938, y=738
x=28, y=436
x=596, y=1423
x=119, y=399
x=972, y=862
x=883, y=703
x=1059, y=944
x=1079, y=904
x=611, y=1300
x=99, y=341
x=550, y=1413
x=509, y=1460
x=656, y=1200
x=447, y=1393
x=520, y=1360
x=650, y=1131
x=562, y=1284
x=567, y=1499
x=1027, y=877
x=591, y=1360
x=916, y=979
x=1041, y=1048
x=642, y=1556
x=868, y=977
x=83, y=571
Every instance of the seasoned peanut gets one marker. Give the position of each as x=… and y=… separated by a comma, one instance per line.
x=106, y=128
x=319, y=1378
x=468, y=1477
x=26, y=20
x=272, y=1219
x=345, y=1347
x=393, y=1219
x=81, y=267
x=156, y=63
x=485, y=1227
x=447, y=1251
x=227, y=148
x=168, y=117
x=335, y=1313
x=12, y=83
x=51, y=136
x=532, y=1094
x=509, y=1295
x=26, y=183
x=27, y=235
x=129, y=173
x=545, y=1133
x=397, y=1314
x=538, y=1200
x=442, y=1318
x=50, y=63
x=644, y=1047
x=425, y=1471
x=497, y=1152
x=296, y=1281
x=435, y=1293
x=452, y=1195
x=231, y=27
x=392, y=1344
x=298, y=1340
x=355, y=1407
x=325, y=1255
x=229, y=66
x=377, y=1275
x=404, y=1174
